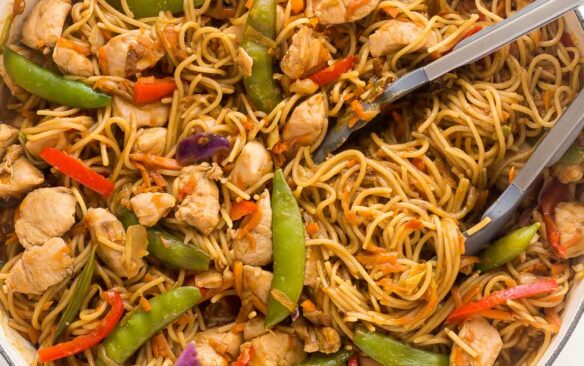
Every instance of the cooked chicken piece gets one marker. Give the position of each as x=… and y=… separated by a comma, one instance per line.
x=209, y=279
x=342, y=11
x=43, y=214
x=207, y=356
x=17, y=174
x=310, y=268
x=244, y=62
x=147, y=115
x=483, y=338
x=71, y=58
x=304, y=87
x=129, y=53
x=200, y=208
x=150, y=207
x=255, y=248
x=108, y=234
x=251, y=165
x=41, y=267
x=224, y=343
x=307, y=122
x=570, y=221
x=235, y=32
x=96, y=39
x=8, y=136
x=150, y=140
x=568, y=173
x=35, y=147
x=396, y=34
x=317, y=339
x=276, y=349
x=44, y=24
x=306, y=54
x=254, y=328
x=257, y=281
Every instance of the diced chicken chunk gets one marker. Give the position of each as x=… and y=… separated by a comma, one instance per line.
x=251, y=165
x=257, y=281
x=8, y=136
x=96, y=39
x=43, y=214
x=41, y=267
x=254, y=328
x=108, y=234
x=568, y=173
x=224, y=343
x=17, y=174
x=483, y=338
x=317, y=339
x=207, y=356
x=72, y=58
x=35, y=147
x=306, y=54
x=570, y=221
x=129, y=53
x=150, y=140
x=44, y=24
x=307, y=122
x=255, y=248
x=396, y=34
x=342, y=11
x=147, y=115
x=244, y=62
x=276, y=349
x=235, y=32
x=150, y=207
x=200, y=207
x=209, y=279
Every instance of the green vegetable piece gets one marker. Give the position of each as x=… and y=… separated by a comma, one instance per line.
x=79, y=293
x=151, y=8
x=574, y=156
x=390, y=352
x=507, y=247
x=50, y=86
x=289, y=250
x=261, y=87
x=336, y=359
x=167, y=248
x=137, y=327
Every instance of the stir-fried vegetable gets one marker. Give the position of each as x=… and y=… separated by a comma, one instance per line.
x=77, y=171
x=333, y=72
x=79, y=292
x=553, y=194
x=507, y=247
x=139, y=326
x=500, y=297
x=167, y=248
x=245, y=356
x=200, y=147
x=574, y=156
x=390, y=352
x=241, y=209
x=289, y=250
x=188, y=356
x=150, y=89
x=50, y=86
x=260, y=86
x=336, y=359
x=90, y=339
x=151, y=8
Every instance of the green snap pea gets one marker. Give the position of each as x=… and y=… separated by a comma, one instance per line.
x=261, y=87
x=167, y=248
x=390, y=352
x=151, y=8
x=50, y=86
x=139, y=326
x=336, y=359
x=79, y=293
x=574, y=156
x=289, y=249
x=508, y=247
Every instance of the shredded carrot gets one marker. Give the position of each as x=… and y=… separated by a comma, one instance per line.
x=351, y=217
x=102, y=60
x=414, y=224
x=391, y=11
x=357, y=107
x=145, y=304
x=156, y=160
x=297, y=6
x=238, y=277
x=377, y=258
x=75, y=46
x=312, y=228
x=388, y=268
x=354, y=5
x=248, y=124
x=160, y=346
x=547, y=98
x=419, y=164
x=280, y=148
x=250, y=223
x=241, y=209
x=33, y=334
x=249, y=4
x=158, y=178
x=308, y=306
x=187, y=188
x=144, y=173
x=238, y=328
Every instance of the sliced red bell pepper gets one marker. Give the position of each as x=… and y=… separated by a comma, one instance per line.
x=77, y=171
x=245, y=356
x=90, y=339
x=241, y=209
x=149, y=89
x=334, y=71
x=474, y=30
x=353, y=361
x=500, y=297
x=553, y=194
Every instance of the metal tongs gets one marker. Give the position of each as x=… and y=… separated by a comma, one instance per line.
x=471, y=49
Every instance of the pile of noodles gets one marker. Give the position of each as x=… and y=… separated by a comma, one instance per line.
x=410, y=188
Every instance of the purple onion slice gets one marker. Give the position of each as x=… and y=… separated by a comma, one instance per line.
x=200, y=147
x=188, y=356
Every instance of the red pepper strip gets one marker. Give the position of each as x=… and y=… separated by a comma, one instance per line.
x=150, y=89
x=353, y=361
x=553, y=194
x=474, y=30
x=334, y=71
x=244, y=357
x=500, y=297
x=241, y=209
x=75, y=169
x=90, y=339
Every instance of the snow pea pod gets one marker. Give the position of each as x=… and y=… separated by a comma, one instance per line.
x=574, y=156
x=261, y=86
x=151, y=8
x=50, y=86
x=390, y=352
x=507, y=247
x=167, y=248
x=289, y=249
x=336, y=359
x=138, y=327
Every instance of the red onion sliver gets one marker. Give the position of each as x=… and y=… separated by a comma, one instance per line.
x=188, y=356
x=200, y=147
